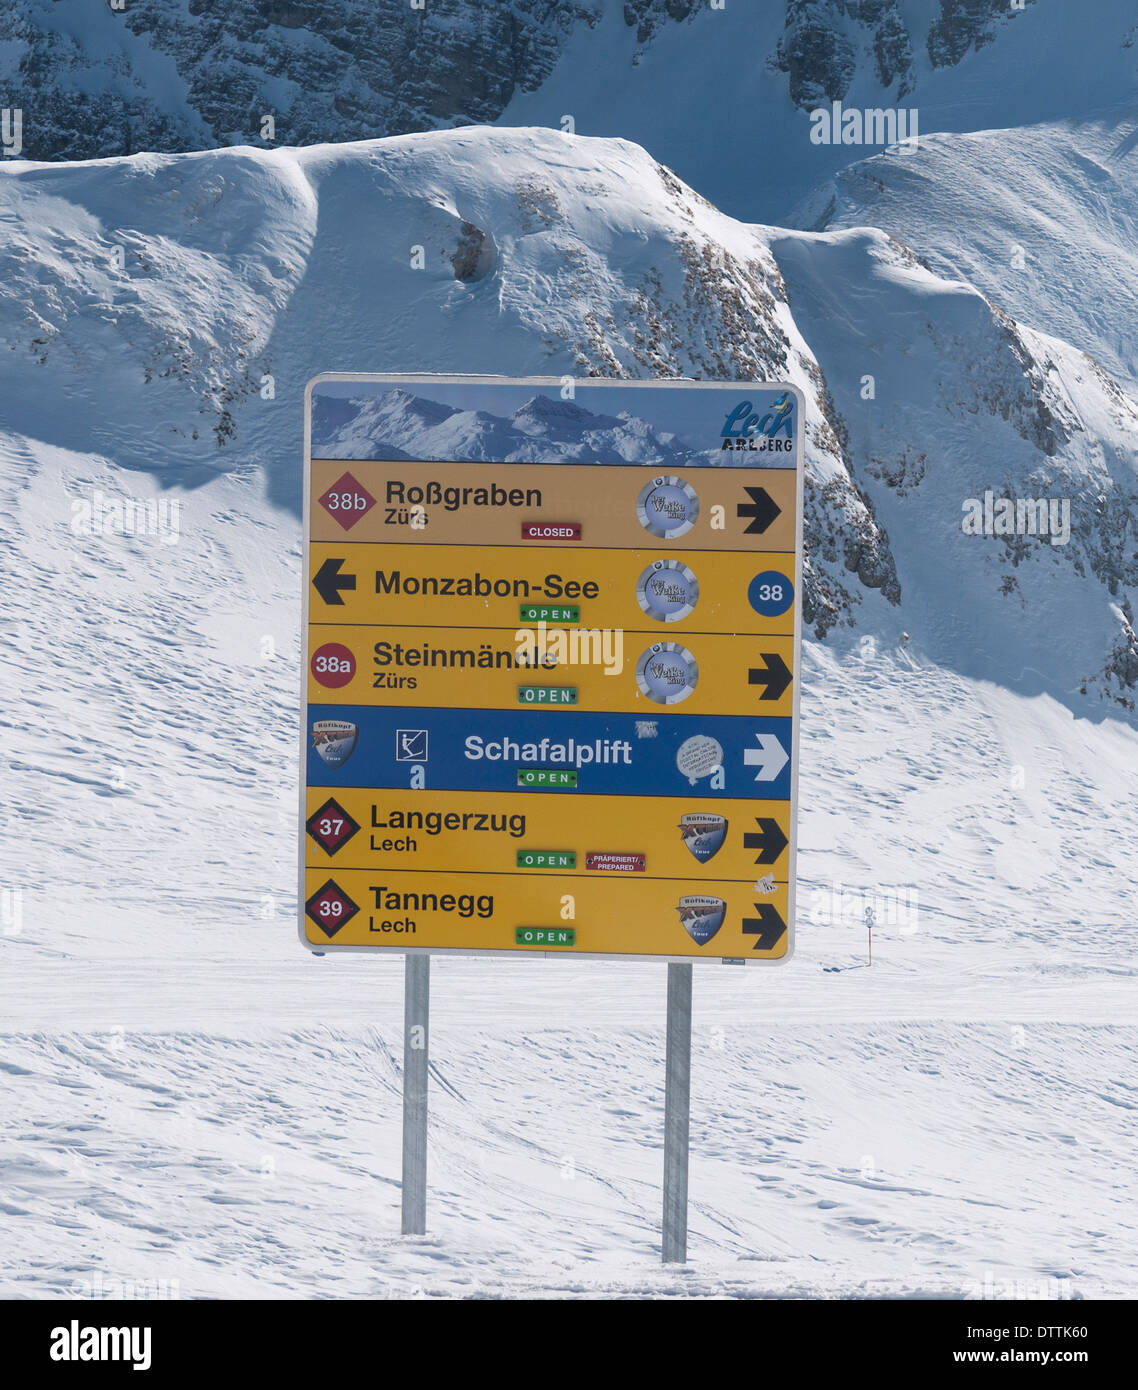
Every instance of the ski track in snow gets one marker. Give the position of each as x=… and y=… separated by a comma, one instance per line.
x=909, y=1158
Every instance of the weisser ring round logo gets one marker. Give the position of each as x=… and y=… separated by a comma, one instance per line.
x=667, y=673
x=667, y=507
x=667, y=591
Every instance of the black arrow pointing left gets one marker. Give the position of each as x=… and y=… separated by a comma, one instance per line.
x=328, y=581
x=776, y=677
x=768, y=926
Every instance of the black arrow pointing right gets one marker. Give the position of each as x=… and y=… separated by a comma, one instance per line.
x=770, y=843
x=768, y=926
x=776, y=677
x=762, y=509
x=328, y=581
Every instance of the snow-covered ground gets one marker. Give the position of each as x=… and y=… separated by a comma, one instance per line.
x=193, y=1103
x=190, y=1097
x=833, y=1158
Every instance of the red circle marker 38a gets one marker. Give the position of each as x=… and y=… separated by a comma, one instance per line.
x=332, y=665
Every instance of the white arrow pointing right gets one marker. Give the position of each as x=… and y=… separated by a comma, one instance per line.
x=770, y=757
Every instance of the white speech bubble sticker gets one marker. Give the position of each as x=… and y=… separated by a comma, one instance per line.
x=699, y=756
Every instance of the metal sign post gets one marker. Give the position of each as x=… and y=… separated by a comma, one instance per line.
x=677, y=1114
x=416, y=1062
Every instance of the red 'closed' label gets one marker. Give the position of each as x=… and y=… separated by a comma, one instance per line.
x=551, y=530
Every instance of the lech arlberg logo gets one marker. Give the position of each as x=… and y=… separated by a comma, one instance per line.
x=703, y=834
x=667, y=591
x=699, y=756
x=334, y=740
x=667, y=507
x=667, y=673
x=701, y=917
x=745, y=422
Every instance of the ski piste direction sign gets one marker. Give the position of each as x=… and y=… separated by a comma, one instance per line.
x=551, y=665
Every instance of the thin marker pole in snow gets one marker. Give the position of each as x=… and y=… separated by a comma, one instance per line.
x=416, y=1058
x=677, y=1112
x=869, y=919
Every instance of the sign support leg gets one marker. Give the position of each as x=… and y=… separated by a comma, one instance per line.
x=677, y=1112
x=416, y=1058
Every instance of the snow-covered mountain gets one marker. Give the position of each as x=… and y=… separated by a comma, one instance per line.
x=233, y=283
x=162, y=75
x=180, y=303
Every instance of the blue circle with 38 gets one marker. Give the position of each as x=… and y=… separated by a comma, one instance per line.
x=770, y=593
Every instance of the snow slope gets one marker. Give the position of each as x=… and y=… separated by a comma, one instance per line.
x=234, y=271
x=190, y=357
x=193, y=1101
x=872, y=1160
x=966, y=403
x=1042, y=219
x=190, y=1097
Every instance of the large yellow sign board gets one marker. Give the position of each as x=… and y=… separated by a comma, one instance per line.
x=552, y=635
